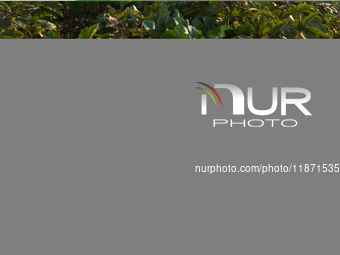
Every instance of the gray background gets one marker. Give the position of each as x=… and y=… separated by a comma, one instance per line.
x=98, y=142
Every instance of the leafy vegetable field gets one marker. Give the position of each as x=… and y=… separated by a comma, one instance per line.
x=178, y=20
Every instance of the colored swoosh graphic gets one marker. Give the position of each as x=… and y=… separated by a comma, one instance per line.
x=218, y=96
x=208, y=92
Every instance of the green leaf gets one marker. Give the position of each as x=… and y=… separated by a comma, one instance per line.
x=297, y=9
x=298, y=25
x=198, y=24
x=309, y=18
x=4, y=33
x=181, y=31
x=243, y=30
x=209, y=23
x=277, y=27
x=317, y=24
x=163, y=15
x=192, y=32
x=317, y=32
x=88, y=33
x=149, y=25
x=47, y=25
x=169, y=34
x=218, y=32
x=267, y=13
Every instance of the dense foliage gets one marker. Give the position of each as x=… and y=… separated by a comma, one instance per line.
x=181, y=19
